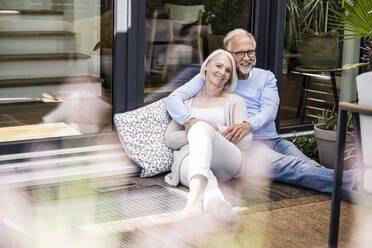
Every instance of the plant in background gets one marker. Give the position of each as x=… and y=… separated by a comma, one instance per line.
x=293, y=24
x=325, y=133
x=315, y=14
x=225, y=15
x=357, y=20
x=327, y=119
x=311, y=15
x=307, y=144
x=308, y=41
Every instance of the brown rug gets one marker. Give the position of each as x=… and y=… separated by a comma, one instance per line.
x=277, y=215
x=298, y=226
x=304, y=225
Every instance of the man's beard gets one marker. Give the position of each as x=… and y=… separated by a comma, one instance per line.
x=246, y=71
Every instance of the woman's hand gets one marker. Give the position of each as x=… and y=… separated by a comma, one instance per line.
x=188, y=124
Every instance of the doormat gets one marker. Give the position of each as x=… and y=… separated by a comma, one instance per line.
x=111, y=206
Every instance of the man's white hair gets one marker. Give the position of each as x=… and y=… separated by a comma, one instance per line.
x=232, y=33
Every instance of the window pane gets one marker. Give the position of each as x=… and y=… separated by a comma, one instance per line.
x=312, y=56
x=55, y=68
x=181, y=34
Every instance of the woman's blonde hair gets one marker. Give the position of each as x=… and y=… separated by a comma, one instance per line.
x=233, y=80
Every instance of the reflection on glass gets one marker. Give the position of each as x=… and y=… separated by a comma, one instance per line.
x=55, y=68
x=311, y=58
x=180, y=34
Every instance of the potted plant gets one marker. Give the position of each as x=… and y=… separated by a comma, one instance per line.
x=357, y=19
x=318, y=48
x=325, y=134
x=308, y=41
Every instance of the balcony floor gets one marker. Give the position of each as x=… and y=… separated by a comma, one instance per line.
x=142, y=212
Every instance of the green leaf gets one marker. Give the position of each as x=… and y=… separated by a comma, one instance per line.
x=356, y=18
x=352, y=66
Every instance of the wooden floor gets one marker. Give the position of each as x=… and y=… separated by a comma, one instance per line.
x=37, y=131
x=17, y=116
x=24, y=113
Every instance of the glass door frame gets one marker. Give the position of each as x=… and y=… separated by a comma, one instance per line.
x=128, y=66
x=129, y=62
x=269, y=33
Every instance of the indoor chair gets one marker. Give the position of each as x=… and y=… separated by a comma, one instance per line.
x=180, y=18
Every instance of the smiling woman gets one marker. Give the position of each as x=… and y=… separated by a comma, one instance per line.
x=218, y=71
x=223, y=66
x=202, y=154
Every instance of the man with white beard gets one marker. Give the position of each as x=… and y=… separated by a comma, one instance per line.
x=259, y=90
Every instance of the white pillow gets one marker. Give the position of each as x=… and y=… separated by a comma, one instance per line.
x=141, y=133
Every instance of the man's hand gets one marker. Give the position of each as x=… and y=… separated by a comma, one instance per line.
x=188, y=124
x=235, y=133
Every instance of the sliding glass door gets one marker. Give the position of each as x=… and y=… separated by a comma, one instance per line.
x=55, y=68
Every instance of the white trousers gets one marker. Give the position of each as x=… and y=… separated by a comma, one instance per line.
x=210, y=155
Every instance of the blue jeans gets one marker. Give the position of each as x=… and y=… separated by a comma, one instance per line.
x=290, y=165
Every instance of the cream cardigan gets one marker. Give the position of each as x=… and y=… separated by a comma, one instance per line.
x=176, y=137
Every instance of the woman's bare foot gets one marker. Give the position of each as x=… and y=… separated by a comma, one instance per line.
x=221, y=210
x=195, y=197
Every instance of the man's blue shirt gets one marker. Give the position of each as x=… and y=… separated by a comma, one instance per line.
x=259, y=92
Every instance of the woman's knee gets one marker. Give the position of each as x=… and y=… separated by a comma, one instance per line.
x=201, y=127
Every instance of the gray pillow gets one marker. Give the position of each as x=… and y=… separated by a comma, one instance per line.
x=141, y=133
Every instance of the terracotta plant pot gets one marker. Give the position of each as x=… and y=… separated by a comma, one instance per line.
x=326, y=140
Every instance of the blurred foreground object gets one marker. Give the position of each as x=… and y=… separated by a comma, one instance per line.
x=83, y=111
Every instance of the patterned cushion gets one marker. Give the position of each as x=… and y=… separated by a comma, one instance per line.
x=141, y=132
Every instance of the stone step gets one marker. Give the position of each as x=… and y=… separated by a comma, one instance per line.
x=43, y=57
x=34, y=131
x=33, y=20
x=37, y=4
x=64, y=165
x=35, y=89
x=44, y=65
x=23, y=82
x=14, y=12
x=35, y=34
x=46, y=68
x=68, y=174
x=38, y=45
x=59, y=162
